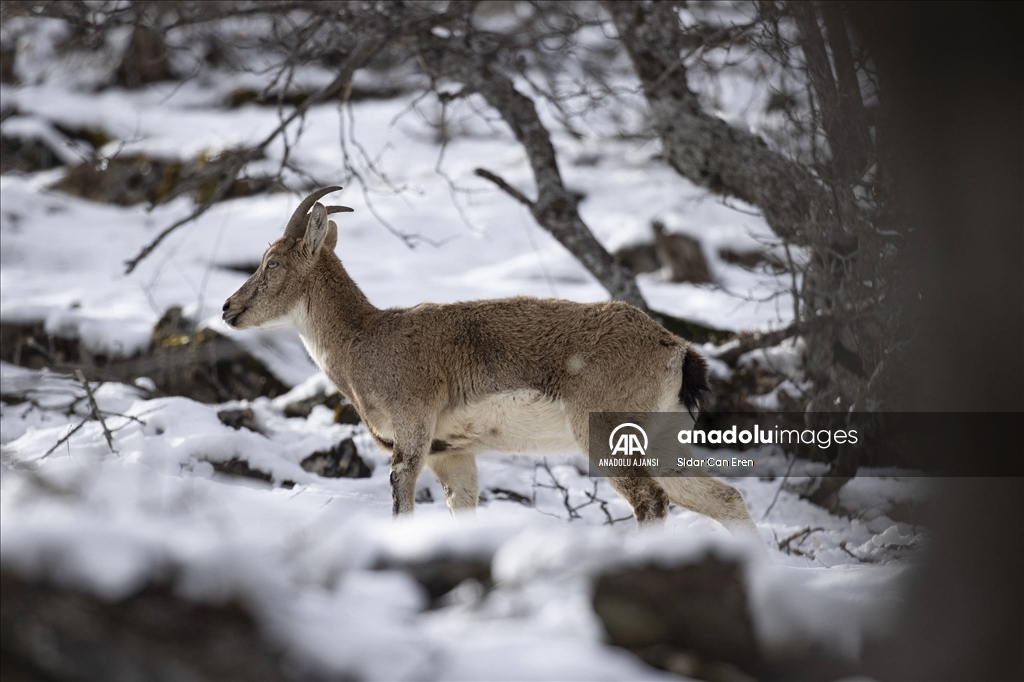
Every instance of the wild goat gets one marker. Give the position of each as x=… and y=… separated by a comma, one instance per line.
x=437, y=384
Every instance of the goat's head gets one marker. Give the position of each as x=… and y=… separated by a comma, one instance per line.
x=269, y=296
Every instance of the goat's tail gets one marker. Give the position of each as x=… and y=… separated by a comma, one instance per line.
x=695, y=389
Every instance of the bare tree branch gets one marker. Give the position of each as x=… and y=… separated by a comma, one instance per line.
x=731, y=354
x=504, y=186
x=555, y=208
x=239, y=158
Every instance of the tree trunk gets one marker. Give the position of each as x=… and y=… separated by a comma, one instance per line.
x=797, y=205
x=702, y=147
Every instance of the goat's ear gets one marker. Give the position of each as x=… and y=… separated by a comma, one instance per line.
x=317, y=229
x=331, y=240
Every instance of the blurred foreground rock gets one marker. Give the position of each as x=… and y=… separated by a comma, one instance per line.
x=48, y=632
x=692, y=620
x=440, y=575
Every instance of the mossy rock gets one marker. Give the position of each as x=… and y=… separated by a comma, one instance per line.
x=198, y=364
x=124, y=180
x=130, y=179
x=94, y=137
x=204, y=365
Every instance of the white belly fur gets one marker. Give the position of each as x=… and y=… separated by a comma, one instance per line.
x=517, y=421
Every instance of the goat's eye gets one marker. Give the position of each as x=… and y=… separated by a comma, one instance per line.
x=272, y=264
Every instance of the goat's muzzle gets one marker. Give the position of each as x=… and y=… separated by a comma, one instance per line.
x=231, y=314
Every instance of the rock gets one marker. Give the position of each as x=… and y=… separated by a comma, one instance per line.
x=344, y=411
x=29, y=144
x=129, y=179
x=341, y=461
x=752, y=260
x=28, y=345
x=441, y=575
x=639, y=258
x=124, y=180
x=60, y=633
x=699, y=609
x=239, y=418
x=96, y=138
x=202, y=365
x=239, y=467
x=682, y=255
x=26, y=155
x=8, y=56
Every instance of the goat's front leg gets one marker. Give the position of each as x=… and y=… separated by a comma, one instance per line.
x=407, y=459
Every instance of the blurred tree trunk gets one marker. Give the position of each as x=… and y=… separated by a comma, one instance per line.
x=847, y=279
x=954, y=74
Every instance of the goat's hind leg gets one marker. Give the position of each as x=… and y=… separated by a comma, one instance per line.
x=644, y=495
x=637, y=487
x=712, y=498
x=456, y=472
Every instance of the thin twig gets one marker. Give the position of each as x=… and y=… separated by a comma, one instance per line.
x=95, y=409
x=784, y=545
x=65, y=438
x=778, y=490
x=609, y=520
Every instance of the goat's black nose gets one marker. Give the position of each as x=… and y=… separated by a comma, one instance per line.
x=227, y=304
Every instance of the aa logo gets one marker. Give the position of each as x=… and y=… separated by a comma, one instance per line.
x=628, y=442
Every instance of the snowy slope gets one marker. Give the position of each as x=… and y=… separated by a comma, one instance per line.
x=304, y=557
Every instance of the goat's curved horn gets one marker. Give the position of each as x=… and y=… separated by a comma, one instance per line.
x=339, y=209
x=297, y=224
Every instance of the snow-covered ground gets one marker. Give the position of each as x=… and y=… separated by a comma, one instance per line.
x=305, y=557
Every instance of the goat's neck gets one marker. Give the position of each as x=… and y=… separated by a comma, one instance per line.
x=333, y=313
